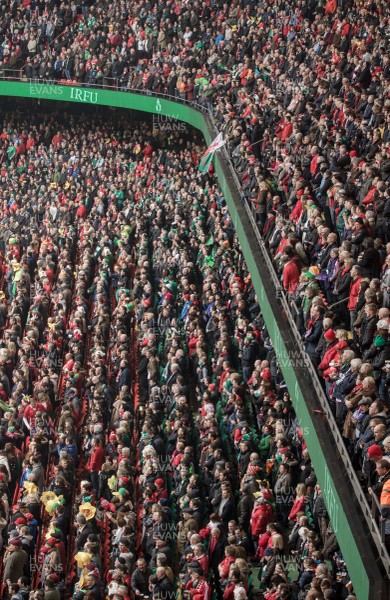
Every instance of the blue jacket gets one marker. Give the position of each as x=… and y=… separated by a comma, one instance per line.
x=344, y=385
x=312, y=336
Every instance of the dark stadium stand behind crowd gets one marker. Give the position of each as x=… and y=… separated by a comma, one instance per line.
x=148, y=443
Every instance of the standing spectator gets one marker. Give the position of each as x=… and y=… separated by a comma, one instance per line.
x=95, y=463
x=291, y=270
x=354, y=294
x=15, y=560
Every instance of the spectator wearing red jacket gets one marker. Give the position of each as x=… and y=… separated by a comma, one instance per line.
x=262, y=544
x=30, y=412
x=330, y=351
x=356, y=274
x=297, y=210
x=201, y=557
x=95, y=463
x=224, y=566
x=286, y=129
x=224, y=375
x=299, y=502
x=261, y=516
x=233, y=582
x=291, y=271
x=198, y=586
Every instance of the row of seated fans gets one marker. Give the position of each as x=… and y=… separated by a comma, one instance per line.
x=100, y=487
x=39, y=419
x=107, y=515
x=71, y=573
x=55, y=542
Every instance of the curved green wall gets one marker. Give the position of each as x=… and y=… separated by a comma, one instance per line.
x=149, y=104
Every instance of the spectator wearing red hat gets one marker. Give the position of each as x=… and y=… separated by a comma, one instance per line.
x=161, y=491
x=330, y=352
x=51, y=592
x=111, y=450
x=15, y=560
x=374, y=454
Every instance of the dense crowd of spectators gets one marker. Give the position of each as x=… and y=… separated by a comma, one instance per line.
x=301, y=93
x=146, y=432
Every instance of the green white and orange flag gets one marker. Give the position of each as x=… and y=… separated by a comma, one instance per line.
x=205, y=161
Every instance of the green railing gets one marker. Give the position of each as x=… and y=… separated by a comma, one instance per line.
x=358, y=535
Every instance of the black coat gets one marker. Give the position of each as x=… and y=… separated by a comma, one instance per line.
x=163, y=588
x=82, y=537
x=342, y=388
x=370, y=263
x=269, y=570
x=161, y=550
x=343, y=283
x=319, y=507
x=365, y=78
x=244, y=510
x=367, y=331
x=326, y=255
x=124, y=378
x=313, y=337
x=229, y=511
x=140, y=581
x=249, y=354
x=378, y=357
x=218, y=553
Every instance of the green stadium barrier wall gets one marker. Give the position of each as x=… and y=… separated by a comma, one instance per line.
x=366, y=575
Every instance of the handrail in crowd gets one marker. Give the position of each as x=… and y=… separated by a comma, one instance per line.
x=369, y=512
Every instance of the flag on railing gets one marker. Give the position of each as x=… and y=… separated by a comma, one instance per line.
x=205, y=161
